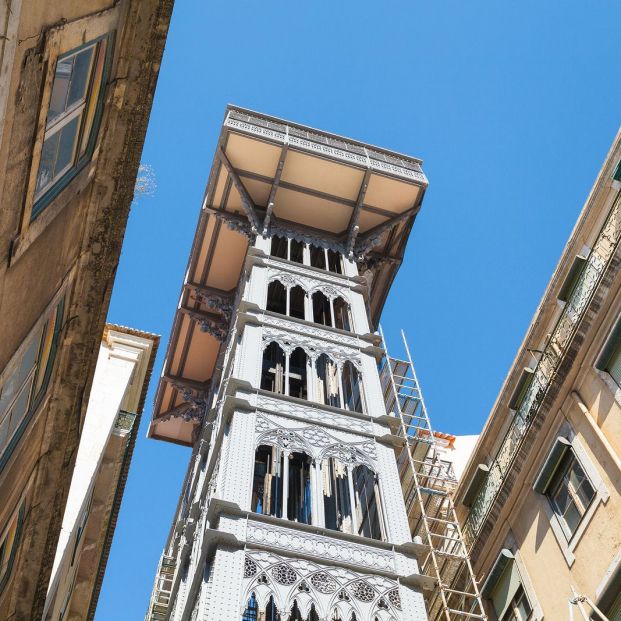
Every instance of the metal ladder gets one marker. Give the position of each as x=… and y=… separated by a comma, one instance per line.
x=428, y=483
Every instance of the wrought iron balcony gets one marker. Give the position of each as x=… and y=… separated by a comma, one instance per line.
x=553, y=353
x=162, y=590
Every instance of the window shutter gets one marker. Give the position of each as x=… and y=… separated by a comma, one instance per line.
x=505, y=589
x=614, y=365
x=614, y=614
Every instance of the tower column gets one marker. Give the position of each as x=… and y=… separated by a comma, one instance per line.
x=285, y=482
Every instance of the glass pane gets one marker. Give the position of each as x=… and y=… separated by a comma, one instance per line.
x=79, y=78
x=572, y=516
x=4, y=431
x=66, y=147
x=62, y=78
x=581, y=485
x=523, y=608
x=14, y=382
x=20, y=408
x=48, y=159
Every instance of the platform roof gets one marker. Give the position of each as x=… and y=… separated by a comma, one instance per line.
x=270, y=174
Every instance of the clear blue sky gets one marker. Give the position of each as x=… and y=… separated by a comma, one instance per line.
x=511, y=105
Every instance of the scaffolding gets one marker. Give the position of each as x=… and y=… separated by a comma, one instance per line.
x=428, y=482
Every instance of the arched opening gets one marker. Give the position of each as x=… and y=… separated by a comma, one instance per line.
x=312, y=615
x=252, y=610
x=297, y=374
x=297, y=300
x=299, y=488
x=336, y=498
x=296, y=251
x=267, y=481
x=335, y=261
x=318, y=257
x=342, y=316
x=321, y=309
x=273, y=370
x=279, y=247
x=352, y=388
x=295, y=615
x=327, y=381
x=276, y=297
x=367, y=502
x=271, y=614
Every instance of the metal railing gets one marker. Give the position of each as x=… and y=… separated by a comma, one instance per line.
x=545, y=370
x=428, y=482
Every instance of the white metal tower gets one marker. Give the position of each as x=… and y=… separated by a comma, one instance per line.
x=292, y=506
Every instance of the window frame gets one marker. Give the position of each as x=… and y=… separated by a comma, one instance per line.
x=42, y=198
x=37, y=389
x=545, y=478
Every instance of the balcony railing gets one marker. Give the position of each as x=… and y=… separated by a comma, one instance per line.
x=551, y=358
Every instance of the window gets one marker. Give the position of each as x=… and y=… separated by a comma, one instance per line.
x=321, y=309
x=342, y=317
x=9, y=543
x=519, y=608
x=335, y=262
x=273, y=372
x=327, y=379
x=570, y=493
x=277, y=297
x=296, y=251
x=297, y=374
x=297, y=302
x=352, y=393
x=504, y=589
x=350, y=498
x=610, y=358
x=367, y=502
x=299, y=488
x=280, y=247
x=252, y=609
x=23, y=389
x=267, y=481
x=318, y=257
x=72, y=118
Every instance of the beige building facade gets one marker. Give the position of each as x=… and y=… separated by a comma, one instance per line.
x=110, y=428
x=540, y=499
x=77, y=83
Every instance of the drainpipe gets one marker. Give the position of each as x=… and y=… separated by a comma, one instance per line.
x=596, y=428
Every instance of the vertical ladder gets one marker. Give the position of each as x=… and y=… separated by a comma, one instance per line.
x=428, y=483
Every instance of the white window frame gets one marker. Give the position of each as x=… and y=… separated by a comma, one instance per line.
x=568, y=545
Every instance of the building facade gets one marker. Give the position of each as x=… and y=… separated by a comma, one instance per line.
x=541, y=495
x=77, y=84
x=111, y=424
x=292, y=506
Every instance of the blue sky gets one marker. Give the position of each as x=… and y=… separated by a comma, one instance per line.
x=511, y=105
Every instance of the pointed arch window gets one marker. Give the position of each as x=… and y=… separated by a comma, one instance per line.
x=252, y=610
x=277, y=297
x=327, y=378
x=273, y=370
x=297, y=376
x=299, y=488
x=297, y=302
x=336, y=497
x=352, y=387
x=367, y=502
x=271, y=613
x=342, y=314
x=267, y=481
x=322, y=313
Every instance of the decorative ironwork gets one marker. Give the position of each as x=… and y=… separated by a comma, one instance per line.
x=323, y=582
x=544, y=373
x=394, y=598
x=362, y=591
x=125, y=420
x=250, y=568
x=283, y=574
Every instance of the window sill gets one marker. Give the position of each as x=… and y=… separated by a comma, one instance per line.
x=35, y=228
